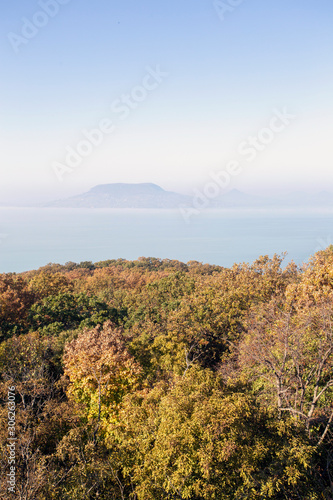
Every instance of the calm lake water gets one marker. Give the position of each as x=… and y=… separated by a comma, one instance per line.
x=33, y=237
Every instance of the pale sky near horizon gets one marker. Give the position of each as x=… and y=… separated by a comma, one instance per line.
x=69, y=66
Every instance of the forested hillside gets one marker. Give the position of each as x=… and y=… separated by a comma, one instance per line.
x=158, y=380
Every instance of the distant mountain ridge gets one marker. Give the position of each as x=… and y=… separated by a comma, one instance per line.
x=121, y=195
x=236, y=198
x=149, y=195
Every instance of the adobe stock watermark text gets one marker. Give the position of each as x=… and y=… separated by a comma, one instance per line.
x=121, y=108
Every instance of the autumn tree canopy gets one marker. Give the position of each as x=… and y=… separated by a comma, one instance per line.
x=155, y=379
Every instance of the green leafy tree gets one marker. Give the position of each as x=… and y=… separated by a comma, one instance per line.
x=67, y=311
x=198, y=439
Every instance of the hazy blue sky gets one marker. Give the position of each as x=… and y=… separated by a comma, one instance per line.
x=68, y=64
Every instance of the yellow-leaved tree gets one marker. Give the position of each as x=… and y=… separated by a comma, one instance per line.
x=101, y=371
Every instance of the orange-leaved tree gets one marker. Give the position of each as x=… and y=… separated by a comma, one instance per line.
x=101, y=371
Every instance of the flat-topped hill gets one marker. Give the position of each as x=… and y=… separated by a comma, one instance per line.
x=121, y=195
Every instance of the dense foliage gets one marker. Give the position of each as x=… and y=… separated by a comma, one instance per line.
x=158, y=380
